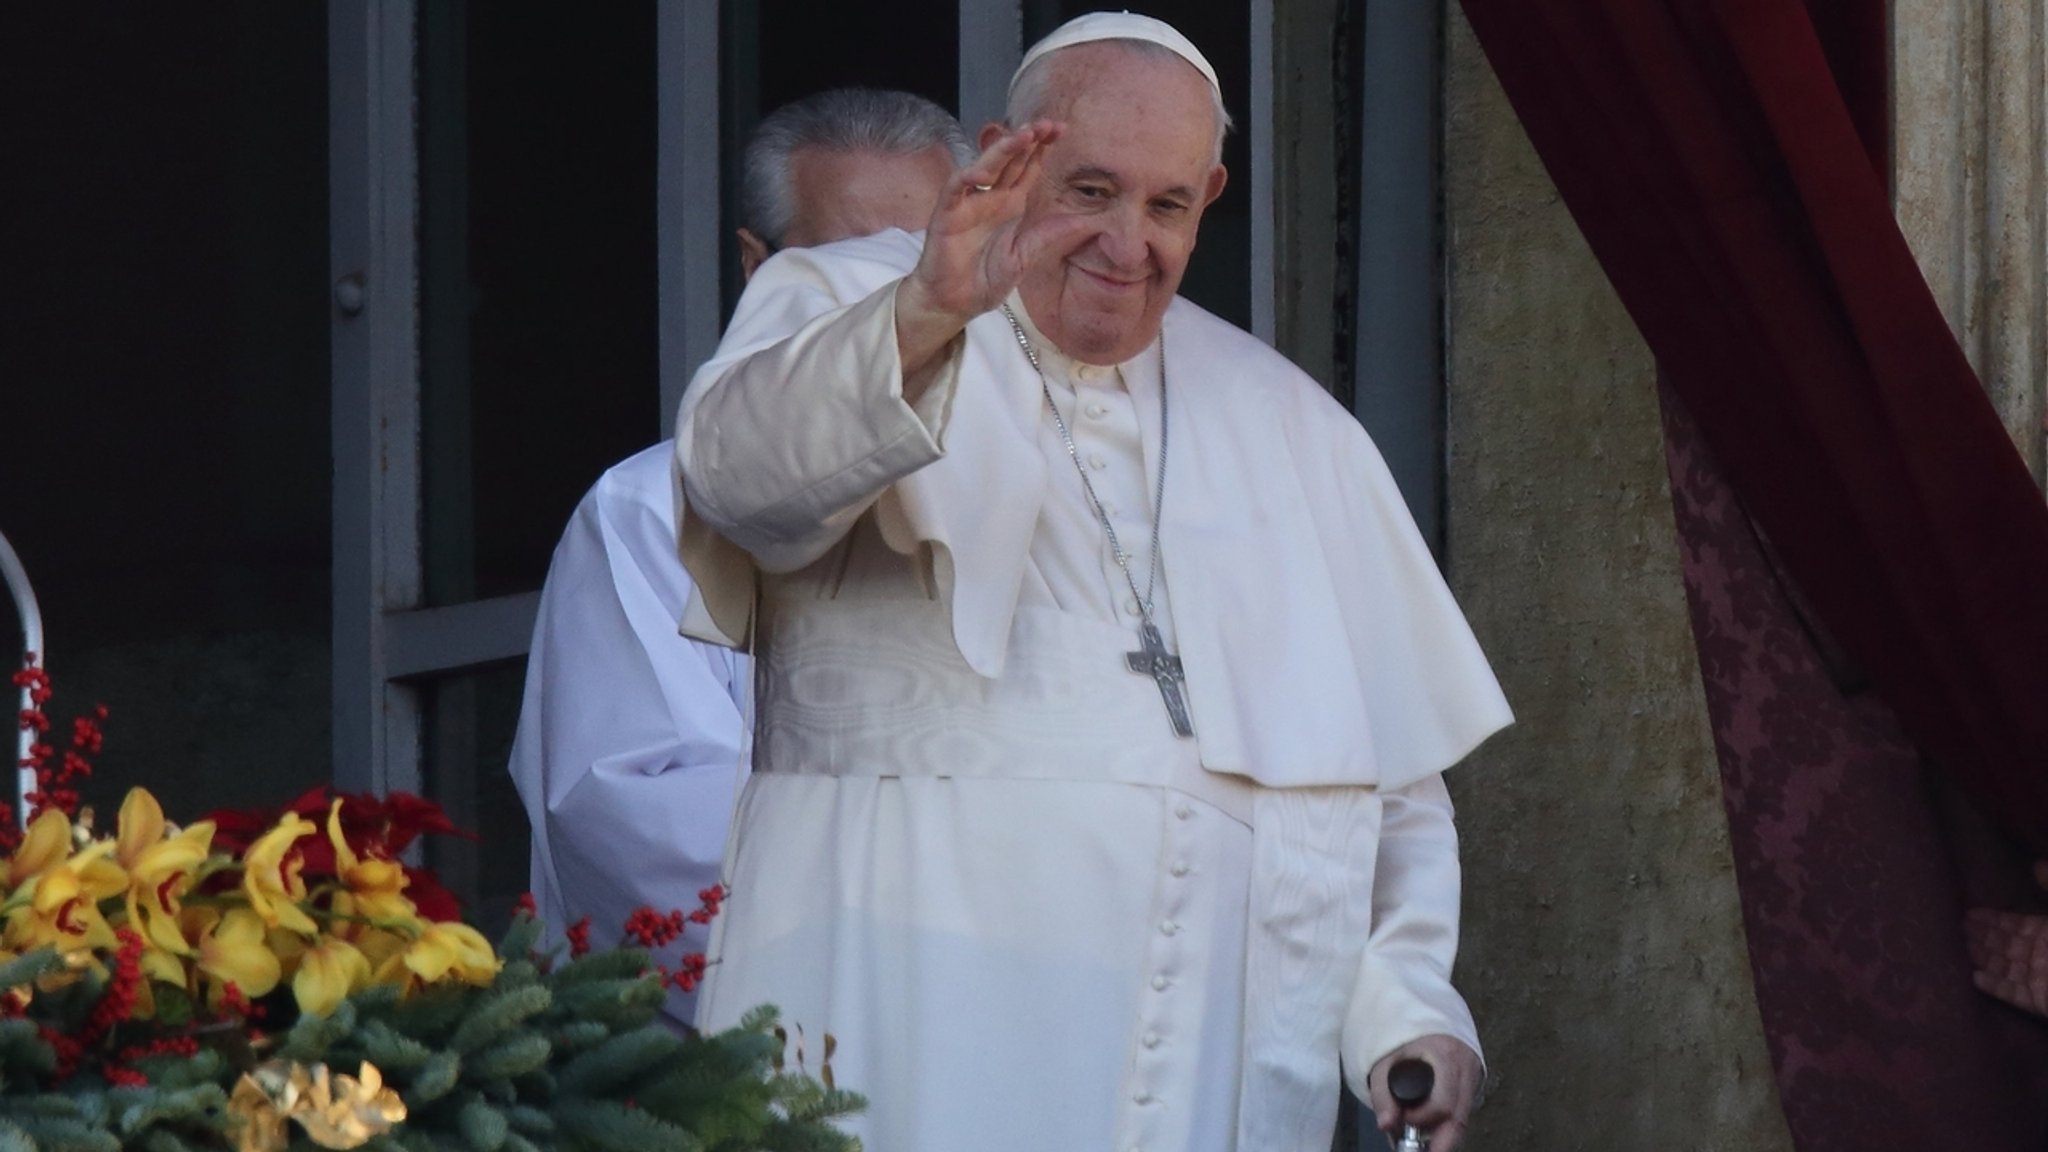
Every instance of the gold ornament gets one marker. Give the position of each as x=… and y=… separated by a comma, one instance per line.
x=341, y=1112
x=335, y=1111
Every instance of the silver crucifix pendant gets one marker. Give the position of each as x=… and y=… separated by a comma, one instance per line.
x=1152, y=659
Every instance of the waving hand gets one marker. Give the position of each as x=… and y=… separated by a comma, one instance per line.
x=977, y=247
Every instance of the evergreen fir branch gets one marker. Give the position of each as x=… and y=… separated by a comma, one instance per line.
x=537, y=1086
x=201, y=1071
x=13, y=1139
x=389, y=1050
x=806, y=1101
x=312, y=1036
x=576, y=1035
x=433, y=1012
x=23, y=971
x=620, y=1004
x=790, y=1136
x=497, y=1013
x=499, y=1092
x=733, y=1115
x=58, y=1134
x=137, y=1109
x=482, y=1126
x=513, y=1058
x=762, y=1019
x=528, y=1121
x=517, y=974
x=419, y=1141
x=23, y=1051
x=626, y=1059
x=165, y=1140
x=521, y=937
x=611, y=1126
x=613, y=965
x=377, y=1000
x=436, y=1078
x=62, y=1105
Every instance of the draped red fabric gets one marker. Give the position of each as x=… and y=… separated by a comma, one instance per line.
x=1706, y=152
x=1851, y=516
x=1852, y=883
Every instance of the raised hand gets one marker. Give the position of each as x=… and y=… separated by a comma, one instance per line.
x=976, y=247
x=2010, y=951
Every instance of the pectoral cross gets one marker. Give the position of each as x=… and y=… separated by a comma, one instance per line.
x=1152, y=659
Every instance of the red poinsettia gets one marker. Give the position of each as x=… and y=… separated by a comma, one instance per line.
x=375, y=827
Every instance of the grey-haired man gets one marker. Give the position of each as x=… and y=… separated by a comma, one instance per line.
x=631, y=737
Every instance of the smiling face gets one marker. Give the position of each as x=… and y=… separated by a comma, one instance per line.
x=1137, y=159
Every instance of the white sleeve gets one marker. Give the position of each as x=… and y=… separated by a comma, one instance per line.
x=799, y=423
x=631, y=737
x=1403, y=991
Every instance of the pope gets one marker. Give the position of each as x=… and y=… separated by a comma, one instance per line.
x=1105, y=686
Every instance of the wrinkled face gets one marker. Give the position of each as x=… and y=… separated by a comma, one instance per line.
x=1137, y=161
x=845, y=194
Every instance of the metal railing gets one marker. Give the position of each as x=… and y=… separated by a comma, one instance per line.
x=31, y=651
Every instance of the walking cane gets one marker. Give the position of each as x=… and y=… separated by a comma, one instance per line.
x=31, y=643
x=1410, y=1082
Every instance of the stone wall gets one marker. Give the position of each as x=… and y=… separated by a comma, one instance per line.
x=1604, y=953
x=1970, y=179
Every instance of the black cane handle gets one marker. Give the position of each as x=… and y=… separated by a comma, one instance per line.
x=1411, y=1081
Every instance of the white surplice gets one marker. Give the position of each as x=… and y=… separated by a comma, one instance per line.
x=973, y=851
x=631, y=737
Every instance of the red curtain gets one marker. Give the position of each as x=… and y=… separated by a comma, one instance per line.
x=1851, y=516
x=1707, y=152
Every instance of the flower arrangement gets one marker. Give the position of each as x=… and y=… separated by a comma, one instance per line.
x=271, y=980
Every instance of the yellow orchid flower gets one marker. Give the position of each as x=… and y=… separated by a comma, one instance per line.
x=287, y=947
x=328, y=972
x=378, y=945
x=443, y=951
x=160, y=869
x=48, y=841
x=62, y=905
x=232, y=949
x=270, y=876
x=164, y=967
x=372, y=888
x=140, y=825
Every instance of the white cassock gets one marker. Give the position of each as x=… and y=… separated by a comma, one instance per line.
x=972, y=850
x=631, y=737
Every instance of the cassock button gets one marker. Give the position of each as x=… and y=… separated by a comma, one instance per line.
x=1168, y=927
x=1096, y=462
x=1183, y=812
x=1098, y=410
x=1160, y=983
x=1132, y=606
x=1180, y=868
x=1141, y=1097
x=1151, y=1040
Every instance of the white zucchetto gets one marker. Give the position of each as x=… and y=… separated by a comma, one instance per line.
x=1118, y=26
